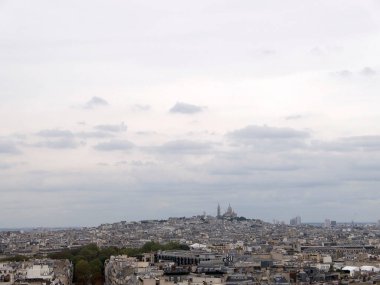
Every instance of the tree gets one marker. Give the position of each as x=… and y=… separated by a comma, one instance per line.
x=96, y=268
x=89, y=252
x=83, y=272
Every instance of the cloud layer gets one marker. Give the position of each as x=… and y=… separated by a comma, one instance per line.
x=184, y=108
x=95, y=102
x=139, y=104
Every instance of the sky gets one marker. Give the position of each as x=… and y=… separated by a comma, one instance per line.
x=129, y=110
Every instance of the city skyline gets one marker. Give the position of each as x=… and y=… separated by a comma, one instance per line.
x=117, y=110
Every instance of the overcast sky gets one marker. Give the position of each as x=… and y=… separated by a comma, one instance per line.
x=128, y=110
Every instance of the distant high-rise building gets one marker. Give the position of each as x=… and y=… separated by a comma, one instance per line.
x=333, y=224
x=327, y=223
x=218, y=214
x=295, y=221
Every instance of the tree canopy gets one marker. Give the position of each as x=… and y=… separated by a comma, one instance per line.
x=89, y=260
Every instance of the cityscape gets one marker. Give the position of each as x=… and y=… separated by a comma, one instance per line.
x=222, y=249
x=202, y=142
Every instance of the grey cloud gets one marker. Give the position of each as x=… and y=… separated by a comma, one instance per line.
x=112, y=128
x=367, y=165
x=249, y=167
x=272, y=172
x=326, y=50
x=269, y=139
x=355, y=143
x=114, y=145
x=305, y=179
x=294, y=117
x=240, y=162
x=145, y=133
x=367, y=71
x=55, y=133
x=185, y=108
x=263, y=132
x=98, y=65
x=268, y=51
x=8, y=147
x=63, y=143
x=344, y=73
x=97, y=134
x=317, y=51
x=95, y=102
x=185, y=147
x=141, y=163
x=136, y=163
x=5, y=165
x=140, y=107
x=66, y=134
x=8, y=165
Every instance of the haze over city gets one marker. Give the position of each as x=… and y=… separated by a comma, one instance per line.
x=130, y=110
